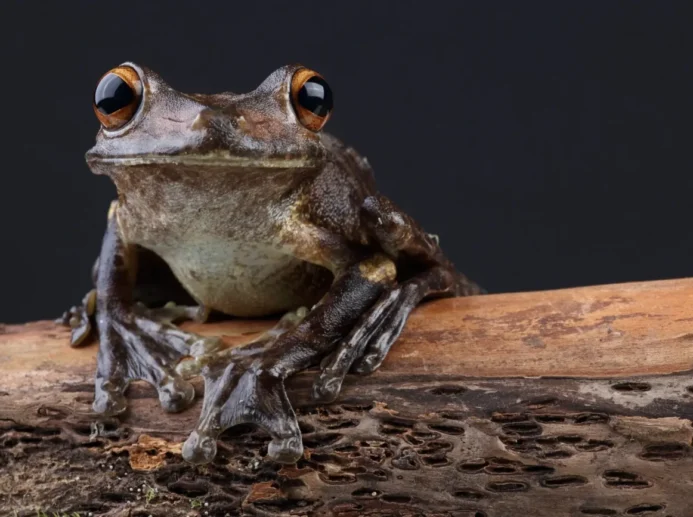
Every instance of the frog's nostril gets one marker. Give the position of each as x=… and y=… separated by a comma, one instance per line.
x=217, y=118
x=203, y=119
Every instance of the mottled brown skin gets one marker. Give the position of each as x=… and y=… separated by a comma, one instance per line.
x=254, y=214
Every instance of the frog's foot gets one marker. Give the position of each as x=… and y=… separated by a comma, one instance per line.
x=243, y=390
x=367, y=344
x=80, y=319
x=365, y=348
x=135, y=347
x=239, y=389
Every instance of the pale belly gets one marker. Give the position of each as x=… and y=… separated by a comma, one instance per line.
x=226, y=237
x=245, y=279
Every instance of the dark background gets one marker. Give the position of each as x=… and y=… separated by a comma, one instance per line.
x=547, y=143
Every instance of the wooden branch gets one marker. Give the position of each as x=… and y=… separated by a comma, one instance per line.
x=574, y=402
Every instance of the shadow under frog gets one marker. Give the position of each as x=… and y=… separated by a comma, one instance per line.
x=255, y=211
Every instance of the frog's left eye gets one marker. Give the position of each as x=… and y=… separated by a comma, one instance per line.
x=117, y=97
x=311, y=97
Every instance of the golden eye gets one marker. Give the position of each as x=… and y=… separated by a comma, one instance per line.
x=117, y=97
x=311, y=97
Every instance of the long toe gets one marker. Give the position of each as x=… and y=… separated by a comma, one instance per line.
x=327, y=386
x=109, y=398
x=199, y=449
x=286, y=450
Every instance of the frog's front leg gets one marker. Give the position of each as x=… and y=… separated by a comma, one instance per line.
x=368, y=343
x=428, y=273
x=246, y=385
x=81, y=318
x=133, y=345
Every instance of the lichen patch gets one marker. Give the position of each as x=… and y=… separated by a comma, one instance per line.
x=149, y=453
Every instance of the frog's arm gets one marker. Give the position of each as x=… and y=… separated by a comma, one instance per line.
x=423, y=271
x=134, y=343
x=155, y=286
x=354, y=324
x=246, y=384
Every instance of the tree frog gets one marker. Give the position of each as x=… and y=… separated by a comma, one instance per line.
x=240, y=204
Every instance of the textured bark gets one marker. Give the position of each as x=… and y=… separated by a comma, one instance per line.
x=564, y=403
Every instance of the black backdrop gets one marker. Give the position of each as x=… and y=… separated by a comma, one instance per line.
x=547, y=143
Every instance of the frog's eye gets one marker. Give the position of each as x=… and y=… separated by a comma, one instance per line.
x=311, y=97
x=117, y=97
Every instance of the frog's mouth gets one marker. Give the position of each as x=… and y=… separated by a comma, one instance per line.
x=222, y=160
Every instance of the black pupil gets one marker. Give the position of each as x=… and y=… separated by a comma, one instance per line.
x=315, y=95
x=112, y=94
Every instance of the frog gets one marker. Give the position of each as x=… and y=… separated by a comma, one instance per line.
x=241, y=205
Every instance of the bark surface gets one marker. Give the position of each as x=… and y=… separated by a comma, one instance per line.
x=573, y=402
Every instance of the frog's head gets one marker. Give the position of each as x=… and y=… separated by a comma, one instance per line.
x=145, y=122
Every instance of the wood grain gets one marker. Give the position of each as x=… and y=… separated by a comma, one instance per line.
x=567, y=402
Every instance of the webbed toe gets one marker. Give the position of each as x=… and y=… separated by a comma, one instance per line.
x=241, y=390
x=136, y=348
x=80, y=319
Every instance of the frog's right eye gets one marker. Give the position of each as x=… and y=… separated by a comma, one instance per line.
x=311, y=97
x=117, y=97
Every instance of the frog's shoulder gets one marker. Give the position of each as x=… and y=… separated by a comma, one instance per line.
x=349, y=161
x=337, y=193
